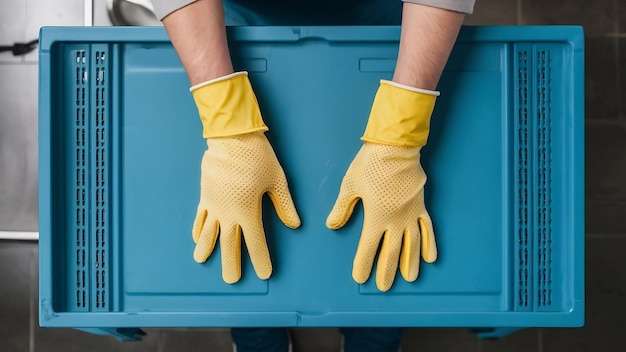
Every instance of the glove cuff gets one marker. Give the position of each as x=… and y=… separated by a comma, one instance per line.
x=400, y=115
x=228, y=106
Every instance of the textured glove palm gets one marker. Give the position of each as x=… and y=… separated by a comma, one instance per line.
x=386, y=175
x=238, y=168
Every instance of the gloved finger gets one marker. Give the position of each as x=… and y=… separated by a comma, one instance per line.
x=207, y=237
x=366, y=252
x=198, y=224
x=344, y=205
x=257, y=248
x=388, y=257
x=283, y=203
x=429, y=247
x=230, y=242
x=410, y=253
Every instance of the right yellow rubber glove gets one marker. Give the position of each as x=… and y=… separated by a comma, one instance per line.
x=238, y=168
x=386, y=175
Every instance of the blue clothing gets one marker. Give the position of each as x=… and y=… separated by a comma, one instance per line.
x=260, y=339
x=355, y=339
x=316, y=12
x=371, y=339
x=340, y=13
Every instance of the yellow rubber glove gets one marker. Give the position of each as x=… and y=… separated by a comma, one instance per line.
x=386, y=175
x=238, y=168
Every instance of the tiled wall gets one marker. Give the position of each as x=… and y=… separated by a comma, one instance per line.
x=605, y=31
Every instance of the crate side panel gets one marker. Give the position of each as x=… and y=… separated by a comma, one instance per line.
x=74, y=138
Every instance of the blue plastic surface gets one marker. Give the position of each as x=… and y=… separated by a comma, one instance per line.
x=120, y=149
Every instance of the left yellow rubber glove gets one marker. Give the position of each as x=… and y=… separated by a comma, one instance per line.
x=238, y=168
x=387, y=176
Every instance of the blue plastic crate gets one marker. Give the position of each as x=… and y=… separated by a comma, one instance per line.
x=120, y=147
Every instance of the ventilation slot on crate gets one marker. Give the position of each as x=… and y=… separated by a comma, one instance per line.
x=80, y=163
x=523, y=228
x=544, y=178
x=88, y=177
x=100, y=182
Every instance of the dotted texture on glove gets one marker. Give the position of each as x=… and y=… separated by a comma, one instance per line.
x=389, y=180
x=236, y=172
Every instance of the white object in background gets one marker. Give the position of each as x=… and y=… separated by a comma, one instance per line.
x=132, y=13
x=19, y=235
x=88, y=6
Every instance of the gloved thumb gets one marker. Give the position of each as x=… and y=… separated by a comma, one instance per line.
x=429, y=248
x=343, y=208
x=283, y=202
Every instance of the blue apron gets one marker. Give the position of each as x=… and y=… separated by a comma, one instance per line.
x=312, y=13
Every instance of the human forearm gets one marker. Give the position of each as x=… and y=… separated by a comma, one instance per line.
x=199, y=37
x=427, y=37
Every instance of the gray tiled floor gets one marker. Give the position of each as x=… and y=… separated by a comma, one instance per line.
x=316, y=340
x=493, y=12
x=195, y=340
x=598, y=16
x=602, y=84
x=621, y=43
x=16, y=278
x=605, y=172
x=68, y=340
x=18, y=147
x=439, y=340
x=526, y=340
